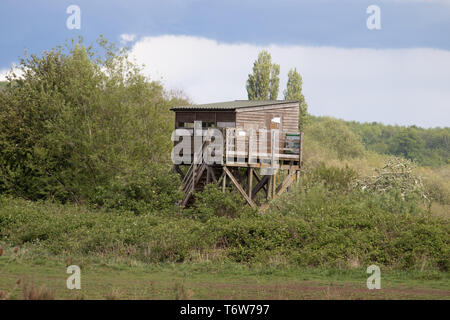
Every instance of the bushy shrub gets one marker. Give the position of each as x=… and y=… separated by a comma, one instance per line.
x=75, y=123
x=316, y=228
x=396, y=177
x=212, y=202
x=368, y=227
x=334, y=135
x=155, y=188
x=437, y=183
x=333, y=178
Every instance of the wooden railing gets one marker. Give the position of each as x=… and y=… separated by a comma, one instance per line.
x=248, y=145
x=261, y=146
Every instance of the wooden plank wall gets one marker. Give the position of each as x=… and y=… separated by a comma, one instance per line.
x=204, y=116
x=256, y=117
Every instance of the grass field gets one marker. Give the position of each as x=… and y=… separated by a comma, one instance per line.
x=106, y=279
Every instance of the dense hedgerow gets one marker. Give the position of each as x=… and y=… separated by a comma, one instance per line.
x=212, y=202
x=324, y=229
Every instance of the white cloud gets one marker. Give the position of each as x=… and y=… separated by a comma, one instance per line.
x=126, y=37
x=5, y=72
x=395, y=86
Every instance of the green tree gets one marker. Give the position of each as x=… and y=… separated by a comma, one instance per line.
x=264, y=82
x=335, y=136
x=408, y=144
x=81, y=122
x=294, y=92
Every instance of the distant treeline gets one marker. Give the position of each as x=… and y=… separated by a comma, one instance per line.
x=428, y=147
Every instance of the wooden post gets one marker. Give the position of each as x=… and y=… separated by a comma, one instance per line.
x=300, y=150
x=208, y=174
x=272, y=150
x=252, y=146
x=194, y=175
x=198, y=141
x=274, y=183
x=250, y=182
x=224, y=182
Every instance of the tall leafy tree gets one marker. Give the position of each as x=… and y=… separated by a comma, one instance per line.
x=408, y=144
x=264, y=82
x=81, y=121
x=294, y=92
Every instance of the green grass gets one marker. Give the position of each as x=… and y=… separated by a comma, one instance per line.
x=130, y=279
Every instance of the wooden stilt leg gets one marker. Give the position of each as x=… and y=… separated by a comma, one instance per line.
x=239, y=187
x=274, y=184
x=224, y=183
x=250, y=182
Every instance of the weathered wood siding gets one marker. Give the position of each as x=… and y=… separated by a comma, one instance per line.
x=245, y=118
x=259, y=117
x=204, y=116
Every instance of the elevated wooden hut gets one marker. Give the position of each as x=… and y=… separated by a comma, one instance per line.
x=260, y=136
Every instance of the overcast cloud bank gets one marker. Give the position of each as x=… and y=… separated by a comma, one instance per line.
x=392, y=86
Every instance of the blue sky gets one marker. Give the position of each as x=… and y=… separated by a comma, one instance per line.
x=36, y=25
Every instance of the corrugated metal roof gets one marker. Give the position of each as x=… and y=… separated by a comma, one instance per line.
x=232, y=105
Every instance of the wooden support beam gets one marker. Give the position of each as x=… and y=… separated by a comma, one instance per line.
x=202, y=168
x=274, y=183
x=261, y=184
x=256, y=176
x=300, y=157
x=176, y=169
x=258, y=179
x=238, y=186
x=212, y=175
x=219, y=181
x=269, y=187
x=198, y=142
x=286, y=183
x=224, y=181
x=187, y=196
x=250, y=182
x=187, y=177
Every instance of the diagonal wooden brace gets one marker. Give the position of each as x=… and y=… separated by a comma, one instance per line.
x=238, y=186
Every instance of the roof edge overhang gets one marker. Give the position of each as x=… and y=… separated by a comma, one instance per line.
x=276, y=104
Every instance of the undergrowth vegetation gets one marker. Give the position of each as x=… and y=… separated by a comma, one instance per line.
x=311, y=226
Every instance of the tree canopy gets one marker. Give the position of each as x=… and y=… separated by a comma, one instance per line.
x=264, y=82
x=429, y=147
x=80, y=119
x=294, y=92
